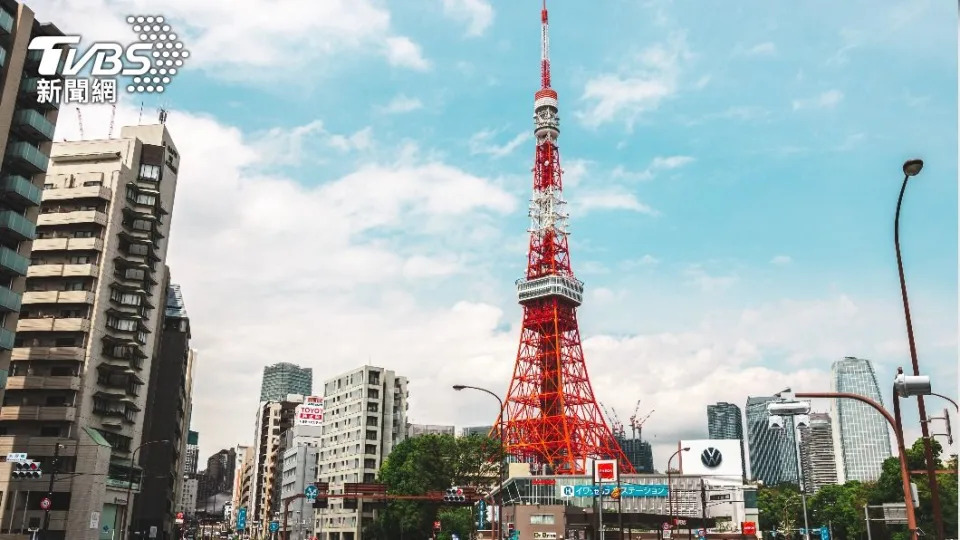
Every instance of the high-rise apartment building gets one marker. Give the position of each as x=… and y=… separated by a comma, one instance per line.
x=192, y=456
x=724, y=421
x=860, y=434
x=90, y=322
x=415, y=430
x=283, y=379
x=639, y=453
x=166, y=419
x=773, y=454
x=188, y=495
x=26, y=132
x=273, y=418
x=817, y=457
x=365, y=416
x=300, y=451
x=240, y=479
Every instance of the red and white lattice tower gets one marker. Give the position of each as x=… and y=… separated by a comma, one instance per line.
x=551, y=416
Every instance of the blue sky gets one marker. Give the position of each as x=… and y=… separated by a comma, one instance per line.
x=732, y=172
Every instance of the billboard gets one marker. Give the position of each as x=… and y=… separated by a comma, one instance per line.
x=712, y=457
x=310, y=413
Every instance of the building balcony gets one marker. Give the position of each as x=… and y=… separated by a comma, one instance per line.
x=88, y=192
x=12, y=263
x=27, y=157
x=72, y=218
x=53, y=325
x=37, y=412
x=58, y=297
x=28, y=88
x=9, y=300
x=20, y=189
x=63, y=270
x=17, y=225
x=35, y=382
x=3, y=57
x=68, y=244
x=75, y=354
x=6, y=339
x=33, y=124
x=6, y=23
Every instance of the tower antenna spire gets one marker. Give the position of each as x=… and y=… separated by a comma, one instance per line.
x=544, y=48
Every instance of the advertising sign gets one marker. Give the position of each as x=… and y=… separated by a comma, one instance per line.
x=749, y=527
x=310, y=413
x=712, y=457
x=605, y=470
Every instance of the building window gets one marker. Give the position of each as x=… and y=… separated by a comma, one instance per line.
x=542, y=519
x=150, y=172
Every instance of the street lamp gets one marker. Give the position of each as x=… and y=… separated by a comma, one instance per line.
x=787, y=397
x=670, y=479
x=500, y=458
x=913, y=168
x=128, y=507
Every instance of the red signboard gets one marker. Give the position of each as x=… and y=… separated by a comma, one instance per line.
x=436, y=525
x=45, y=503
x=544, y=481
x=749, y=527
x=605, y=471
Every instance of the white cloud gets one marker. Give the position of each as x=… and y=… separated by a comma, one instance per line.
x=403, y=52
x=402, y=104
x=480, y=143
x=218, y=32
x=478, y=14
x=574, y=172
x=611, y=199
x=707, y=282
x=781, y=260
x=766, y=48
x=626, y=95
x=657, y=165
x=825, y=100
x=286, y=146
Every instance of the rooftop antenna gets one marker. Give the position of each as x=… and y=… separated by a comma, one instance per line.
x=80, y=122
x=163, y=111
x=113, y=116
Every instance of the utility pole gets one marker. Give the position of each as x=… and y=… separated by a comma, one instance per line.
x=53, y=476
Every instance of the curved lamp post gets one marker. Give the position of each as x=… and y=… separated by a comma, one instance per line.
x=502, y=456
x=912, y=168
x=670, y=479
x=129, y=505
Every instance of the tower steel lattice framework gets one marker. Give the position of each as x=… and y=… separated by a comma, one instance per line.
x=551, y=415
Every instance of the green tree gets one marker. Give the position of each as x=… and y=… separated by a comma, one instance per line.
x=889, y=488
x=781, y=507
x=840, y=507
x=432, y=463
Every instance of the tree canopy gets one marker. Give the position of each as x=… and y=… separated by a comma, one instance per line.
x=433, y=463
x=841, y=506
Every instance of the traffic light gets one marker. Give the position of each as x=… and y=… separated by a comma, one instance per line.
x=27, y=470
x=454, y=495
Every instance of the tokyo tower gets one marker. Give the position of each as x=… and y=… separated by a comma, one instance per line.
x=551, y=416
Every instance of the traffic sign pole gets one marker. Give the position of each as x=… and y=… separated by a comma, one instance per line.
x=53, y=476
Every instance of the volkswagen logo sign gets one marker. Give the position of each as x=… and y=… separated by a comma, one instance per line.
x=711, y=457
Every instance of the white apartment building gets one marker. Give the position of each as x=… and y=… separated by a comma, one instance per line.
x=365, y=416
x=301, y=451
x=188, y=495
x=89, y=325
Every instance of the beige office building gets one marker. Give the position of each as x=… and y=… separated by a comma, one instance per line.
x=26, y=132
x=88, y=329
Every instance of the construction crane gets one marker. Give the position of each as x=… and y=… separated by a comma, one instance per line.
x=637, y=425
x=615, y=424
x=113, y=116
x=80, y=122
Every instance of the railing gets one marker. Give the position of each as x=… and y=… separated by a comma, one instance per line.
x=6, y=21
x=6, y=339
x=17, y=224
x=30, y=154
x=9, y=300
x=13, y=261
x=23, y=187
x=35, y=120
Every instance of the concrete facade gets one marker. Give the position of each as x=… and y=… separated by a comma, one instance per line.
x=273, y=418
x=365, y=416
x=301, y=452
x=26, y=132
x=817, y=457
x=415, y=430
x=89, y=328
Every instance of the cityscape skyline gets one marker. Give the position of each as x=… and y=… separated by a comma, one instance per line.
x=760, y=339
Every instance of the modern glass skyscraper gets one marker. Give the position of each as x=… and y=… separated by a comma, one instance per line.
x=773, y=454
x=282, y=379
x=861, y=438
x=724, y=421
